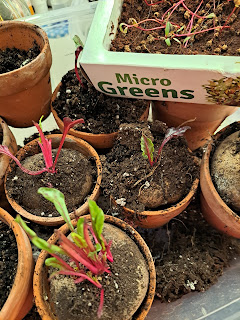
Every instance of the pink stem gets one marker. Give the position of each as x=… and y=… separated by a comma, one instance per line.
x=194, y=14
x=174, y=7
x=197, y=32
x=100, y=308
x=152, y=4
x=189, y=27
x=82, y=275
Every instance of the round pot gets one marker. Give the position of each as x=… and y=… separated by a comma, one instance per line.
x=214, y=209
x=20, y=299
x=10, y=142
x=41, y=289
x=71, y=143
x=207, y=117
x=155, y=219
x=98, y=141
x=25, y=93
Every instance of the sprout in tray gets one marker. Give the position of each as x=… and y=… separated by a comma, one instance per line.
x=46, y=147
x=147, y=146
x=88, y=250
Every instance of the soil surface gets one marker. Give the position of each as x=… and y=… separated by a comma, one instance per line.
x=224, y=166
x=13, y=58
x=124, y=288
x=189, y=254
x=101, y=113
x=8, y=261
x=75, y=178
x=133, y=183
x=213, y=42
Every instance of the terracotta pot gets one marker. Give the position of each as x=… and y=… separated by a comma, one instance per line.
x=214, y=209
x=25, y=93
x=155, y=219
x=20, y=299
x=40, y=283
x=10, y=142
x=99, y=141
x=208, y=118
x=71, y=143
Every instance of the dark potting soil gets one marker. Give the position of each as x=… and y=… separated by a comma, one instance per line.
x=129, y=275
x=213, y=42
x=8, y=261
x=13, y=58
x=101, y=113
x=189, y=254
x=133, y=183
x=75, y=177
x=1, y=135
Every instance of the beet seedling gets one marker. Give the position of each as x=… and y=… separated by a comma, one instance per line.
x=147, y=146
x=79, y=49
x=90, y=257
x=46, y=147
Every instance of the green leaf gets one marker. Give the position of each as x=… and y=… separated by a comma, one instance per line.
x=123, y=30
x=210, y=16
x=44, y=245
x=53, y=262
x=97, y=217
x=40, y=125
x=186, y=39
x=78, y=42
x=79, y=240
x=168, y=28
x=23, y=224
x=178, y=41
x=147, y=148
x=57, y=198
x=168, y=42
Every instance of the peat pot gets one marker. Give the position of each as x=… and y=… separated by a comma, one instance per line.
x=25, y=93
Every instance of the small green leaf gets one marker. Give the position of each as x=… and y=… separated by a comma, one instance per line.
x=147, y=148
x=168, y=28
x=168, y=42
x=23, y=224
x=125, y=29
x=53, y=262
x=44, y=245
x=40, y=125
x=79, y=240
x=178, y=41
x=97, y=217
x=186, y=39
x=57, y=198
x=78, y=42
x=98, y=247
x=210, y=16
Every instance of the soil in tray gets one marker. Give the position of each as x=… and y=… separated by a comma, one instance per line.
x=101, y=113
x=134, y=183
x=13, y=58
x=213, y=42
x=75, y=177
x=8, y=261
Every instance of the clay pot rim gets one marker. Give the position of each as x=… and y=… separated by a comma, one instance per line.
x=52, y=221
x=15, y=300
x=85, y=135
x=39, y=58
x=144, y=249
x=205, y=170
x=171, y=209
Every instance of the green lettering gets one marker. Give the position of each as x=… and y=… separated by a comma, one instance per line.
x=135, y=78
x=154, y=80
x=121, y=90
x=109, y=90
x=136, y=92
x=165, y=82
x=187, y=94
x=152, y=92
x=125, y=78
x=142, y=80
x=165, y=93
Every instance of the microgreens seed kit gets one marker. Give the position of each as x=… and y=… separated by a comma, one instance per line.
x=179, y=78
